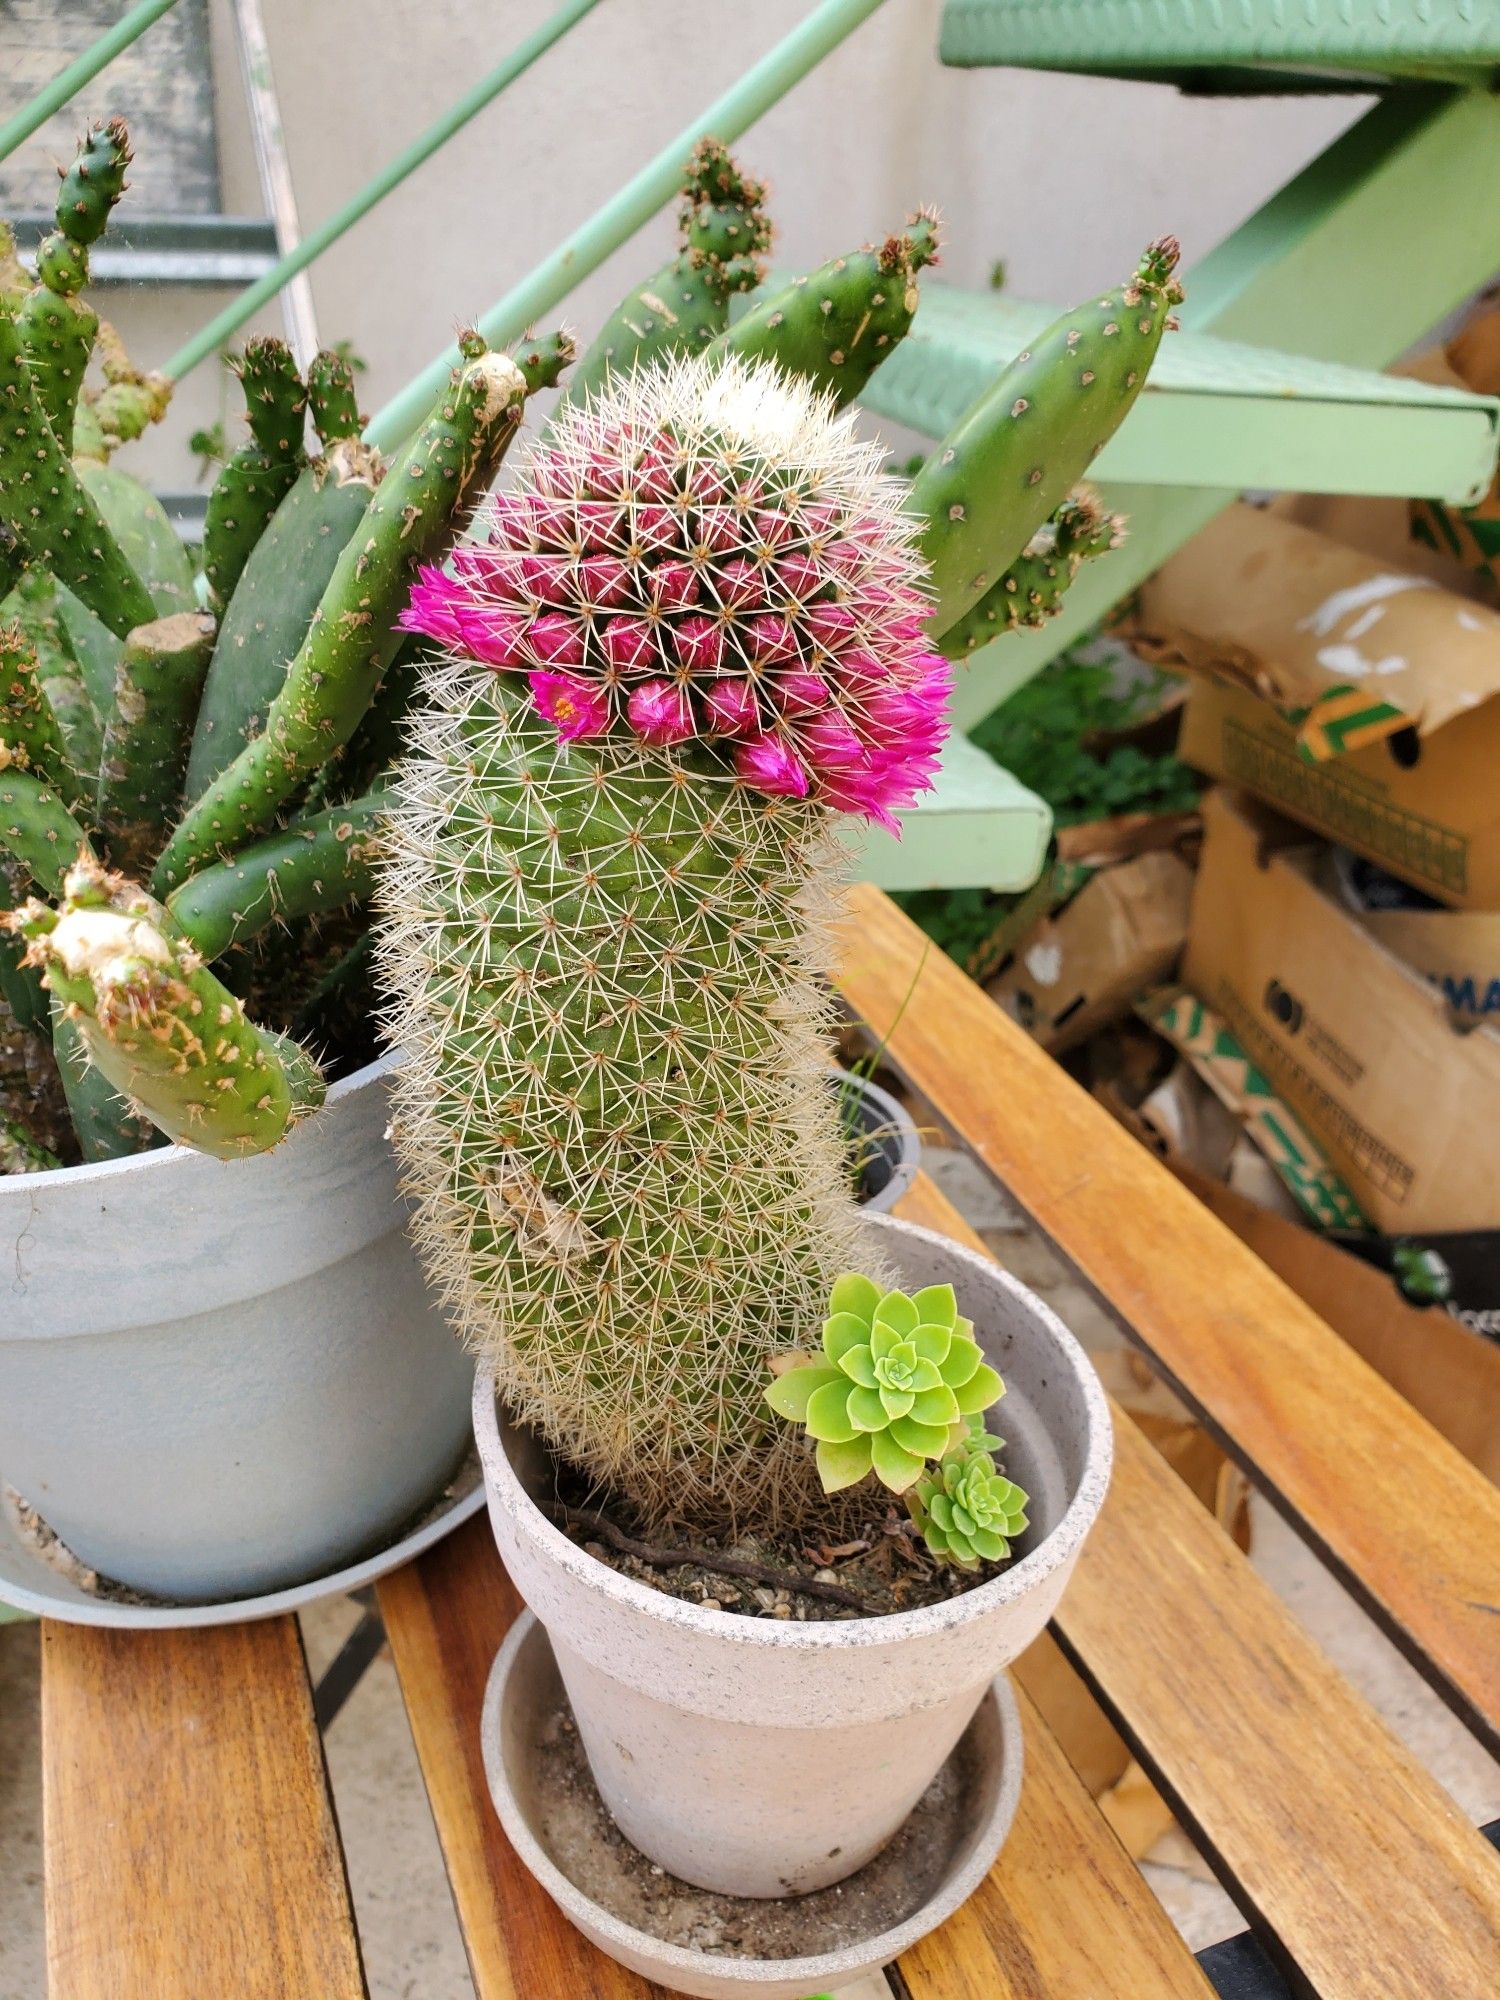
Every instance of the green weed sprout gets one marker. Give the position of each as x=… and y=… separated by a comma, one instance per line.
x=896, y=1382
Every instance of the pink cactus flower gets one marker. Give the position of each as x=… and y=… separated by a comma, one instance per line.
x=555, y=640
x=698, y=642
x=660, y=712
x=798, y=692
x=766, y=763
x=629, y=643
x=730, y=708
x=577, y=707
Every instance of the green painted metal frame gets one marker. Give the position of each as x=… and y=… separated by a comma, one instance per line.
x=1252, y=45
x=1214, y=412
x=635, y=203
x=1312, y=272
x=68, y=82
x=219, y=329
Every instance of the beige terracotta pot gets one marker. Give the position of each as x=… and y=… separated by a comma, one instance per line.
x=762, y=1758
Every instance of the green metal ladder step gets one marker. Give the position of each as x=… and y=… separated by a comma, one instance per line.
x=1233, y=46
x=979, y=828
x=1214, y=413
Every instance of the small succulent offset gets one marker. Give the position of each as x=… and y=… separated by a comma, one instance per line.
x=965, y=1508
x=897, y=1381
x=900, y=1390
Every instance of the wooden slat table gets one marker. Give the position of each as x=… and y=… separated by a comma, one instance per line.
x=191, y=1844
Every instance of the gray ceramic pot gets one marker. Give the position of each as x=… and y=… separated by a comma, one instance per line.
x=890, y=1151
x=762, y=1758
x=220, y=1378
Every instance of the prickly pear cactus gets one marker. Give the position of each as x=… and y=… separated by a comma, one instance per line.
x=691, y=642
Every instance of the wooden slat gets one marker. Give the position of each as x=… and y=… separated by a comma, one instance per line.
x=1355, y=1862
x=1406, y=1522
x=1063, y=1915
x=1017, y=1940
x=191, y=1847
x=445, y=1616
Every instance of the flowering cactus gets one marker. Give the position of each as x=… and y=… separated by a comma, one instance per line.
x=965, y=1509
x=898, y=1378
x=658, y=575
x=688, y=644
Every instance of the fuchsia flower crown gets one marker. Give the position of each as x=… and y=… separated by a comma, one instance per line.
x=705, y=553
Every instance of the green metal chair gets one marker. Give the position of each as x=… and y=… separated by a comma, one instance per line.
x=1228, y=406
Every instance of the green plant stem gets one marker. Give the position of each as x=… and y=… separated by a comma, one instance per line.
x=68, y=82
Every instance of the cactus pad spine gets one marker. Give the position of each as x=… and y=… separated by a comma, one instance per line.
x=27, y=723
x=333, y=678
x=35, y=826
x=257, y=476
x=274, y=601
x=1013, y=455
x=331, y=401
x=834, y=326
x=146, y=738
x=723, y=234
x=322, y=862
x=1032, y=590
x=158, y=1025
x=48, y=508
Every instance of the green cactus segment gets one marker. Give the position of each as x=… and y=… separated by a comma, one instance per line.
x=35, y=605
x=272, y=609
x=321, y=863
x=835, y=325
x=627, y=1164
x=723, y=232
x=1033, y=588
x=897, y=1379
x=108, y=1126
x=94, y=183
x=27, y=723
x=1013, y=455
x=130, y=401
x=143, y=528
x=49, y=509
x=146, y=739
x=331, y=399
x=35, y=826
x=256, y=478
x=543, y=361
x=57, y=333
x=966, y=1510
x=159, y=1026
x=56, y=329
x=353, y=636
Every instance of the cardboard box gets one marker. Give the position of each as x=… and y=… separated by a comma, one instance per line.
x=1441, y=1366
x=1358, y=698
x=1405, y=1104
x=1456, y=951
x=1083, y=967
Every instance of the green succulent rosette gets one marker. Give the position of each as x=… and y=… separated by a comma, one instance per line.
x=965, y=1509
x=896, y=1382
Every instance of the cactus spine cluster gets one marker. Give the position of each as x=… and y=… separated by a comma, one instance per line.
x=231, y=754
x=696, y=634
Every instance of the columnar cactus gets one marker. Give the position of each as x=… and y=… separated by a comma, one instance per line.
x=696, y=634
x=690, y=641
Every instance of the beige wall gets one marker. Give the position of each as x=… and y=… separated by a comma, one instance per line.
x=1064, y=178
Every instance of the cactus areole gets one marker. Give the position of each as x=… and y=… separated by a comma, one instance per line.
x=690, y=644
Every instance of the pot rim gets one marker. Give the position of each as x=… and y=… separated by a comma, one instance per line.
x=816, y=1967
x=164, y=1156
x=889, y=1628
